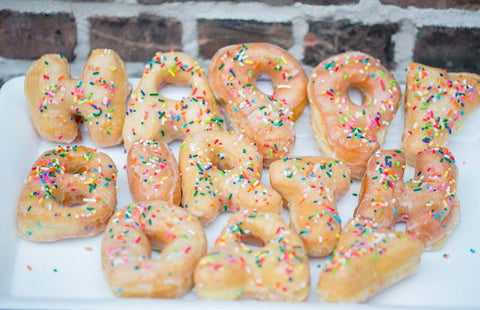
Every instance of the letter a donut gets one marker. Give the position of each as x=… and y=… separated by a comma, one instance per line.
x=151, y=116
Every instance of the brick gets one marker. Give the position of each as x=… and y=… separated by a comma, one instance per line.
x=136, y=38
x=436, y=4
x=454, y=49
x=88, y=0
x=214, y=34
x=269, y=2
x=29, y=36
x=325, y=39
x=328, y=2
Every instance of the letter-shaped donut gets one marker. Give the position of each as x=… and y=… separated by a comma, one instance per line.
x=277, y=271
x=311, y=185
x=368, y=259
x=428, y=202
x=153, y=172
x=342, y=129
x=151, y=116
x=266, y=119
x=221, y=171
x=436, y=104
x=69, y=193
x=57, y=102
x=127, y=244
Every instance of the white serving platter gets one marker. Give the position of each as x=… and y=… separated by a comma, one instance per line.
x=67, y=274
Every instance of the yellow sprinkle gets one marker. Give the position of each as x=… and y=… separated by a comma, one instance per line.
x=114, y=69
x=171, y=72
x=249, y=62
x=284, y=61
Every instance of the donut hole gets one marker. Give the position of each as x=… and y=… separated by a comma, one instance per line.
x=264, y=84
x=356, y=95
x=71, y=199
x=174, y=91
x=155, y=254
x=223, y=162
x=253, y=242
x=75, y=166
x=401, y=227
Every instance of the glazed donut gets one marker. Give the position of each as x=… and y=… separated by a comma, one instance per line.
x=342, y=129
x=221, y=171
x=278, y=271
x=57, y=102
x=266, y=119
x=436, y=104
x=151, y=116
x=152, y=172
x=368, y=259
x=311, y=185
x=427, y=203
x=70, y=192
x=127, y=244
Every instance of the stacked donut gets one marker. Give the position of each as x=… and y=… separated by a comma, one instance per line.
x=70, y=191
